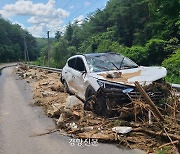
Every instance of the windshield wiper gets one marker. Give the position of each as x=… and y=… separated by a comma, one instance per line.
x=121, y=62
x=112, y=63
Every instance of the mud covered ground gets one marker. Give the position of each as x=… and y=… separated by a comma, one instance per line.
x=152, y=136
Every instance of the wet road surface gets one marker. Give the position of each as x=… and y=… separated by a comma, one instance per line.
x=19, y=120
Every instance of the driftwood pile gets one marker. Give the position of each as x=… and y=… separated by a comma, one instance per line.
x=154, y=129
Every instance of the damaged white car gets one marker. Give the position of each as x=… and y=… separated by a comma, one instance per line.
x=105, y=81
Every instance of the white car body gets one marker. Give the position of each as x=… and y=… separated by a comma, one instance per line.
x=78, y=81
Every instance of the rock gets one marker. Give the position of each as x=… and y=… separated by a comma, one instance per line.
x=93, y=134
x=88, y=128
x=54, y=111
x=37, y=94
x=57, y=88
x=20, y=74
x=72, y=101
x=43, y=76
x=51, y=83
x=26, y=75
x=61, y=119
x=73, y=126
x=122, y=129
x=44, y=83
x=48, y=93
x=23, y=67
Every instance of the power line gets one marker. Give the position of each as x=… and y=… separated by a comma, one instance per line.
x=83, y=10
x=73, y=14
x=41, y=16
x=46, y=9
x=67, y=4
x=77, y=12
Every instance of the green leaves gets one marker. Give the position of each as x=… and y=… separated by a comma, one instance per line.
x=172, y=65
x=12, y=42
x=147, y=31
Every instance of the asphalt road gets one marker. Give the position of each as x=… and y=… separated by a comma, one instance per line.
x=19, y=120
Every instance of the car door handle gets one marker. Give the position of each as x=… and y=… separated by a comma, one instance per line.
x=65, y=72
x=73, y=77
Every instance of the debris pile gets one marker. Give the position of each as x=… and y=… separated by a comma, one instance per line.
x=149, y=127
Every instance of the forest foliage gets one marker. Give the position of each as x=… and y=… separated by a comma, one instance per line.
x=12, y=38
x=147, y=31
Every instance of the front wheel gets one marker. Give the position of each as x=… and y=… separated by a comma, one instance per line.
x=90, y=98
x=102, y=108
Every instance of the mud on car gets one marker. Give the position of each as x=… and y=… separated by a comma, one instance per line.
x=106, y=81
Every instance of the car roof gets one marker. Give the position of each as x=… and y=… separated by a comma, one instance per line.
x=93, y=54
x=97, y=54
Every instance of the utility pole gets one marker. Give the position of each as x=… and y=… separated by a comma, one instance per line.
x=26, y=54
x=48, y=49
x=25, y=58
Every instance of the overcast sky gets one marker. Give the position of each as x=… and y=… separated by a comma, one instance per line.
x=39, y=16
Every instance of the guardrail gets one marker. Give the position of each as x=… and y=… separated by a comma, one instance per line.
x=47, y=68
x=175, y=86
x=7, y=65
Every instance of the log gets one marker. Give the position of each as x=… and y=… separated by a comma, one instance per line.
x=149, y=101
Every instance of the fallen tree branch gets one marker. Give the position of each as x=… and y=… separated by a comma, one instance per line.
x=176, y=137
x=149, y=101
x=49, y=132
x=167, y=144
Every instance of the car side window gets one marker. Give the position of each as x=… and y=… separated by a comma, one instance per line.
x=80, y=65
x=71, y=62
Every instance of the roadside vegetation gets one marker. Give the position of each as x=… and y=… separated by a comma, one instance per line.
x=144, y=30
x=12, y=38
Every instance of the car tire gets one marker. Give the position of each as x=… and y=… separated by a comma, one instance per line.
x=66, y=88
x=90, y=98
x=102, y=109
x=101, y=106
x=95, y=102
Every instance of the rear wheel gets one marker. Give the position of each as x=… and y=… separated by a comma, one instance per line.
x=66, y=88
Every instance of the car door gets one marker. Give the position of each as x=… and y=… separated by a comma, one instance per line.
x=79, y=78
x=69, y=74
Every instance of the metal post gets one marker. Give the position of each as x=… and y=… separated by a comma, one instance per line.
x=25, y=58
x=48, y=50
x=26, y=53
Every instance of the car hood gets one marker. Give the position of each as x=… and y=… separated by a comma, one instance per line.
x=144, y=75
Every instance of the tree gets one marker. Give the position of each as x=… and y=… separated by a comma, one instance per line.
x=69, y=33
x=58, y=35
x=12, y=42
x=172, y=65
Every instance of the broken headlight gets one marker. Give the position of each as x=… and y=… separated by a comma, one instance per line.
x=112, y=85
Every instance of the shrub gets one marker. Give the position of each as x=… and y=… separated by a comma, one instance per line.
x=172, y=65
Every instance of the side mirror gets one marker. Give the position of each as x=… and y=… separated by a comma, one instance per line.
x=83, y=72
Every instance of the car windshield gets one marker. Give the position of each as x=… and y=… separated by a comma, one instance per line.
x=108, y=61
